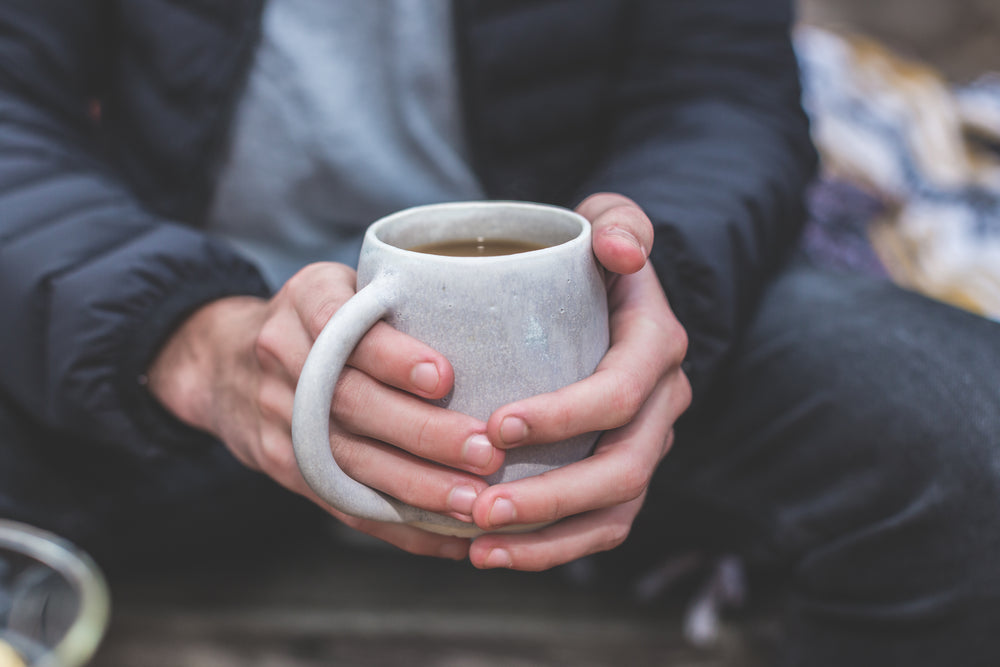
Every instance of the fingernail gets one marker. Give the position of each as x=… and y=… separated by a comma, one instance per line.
x=425, y=377
x=498, y=558
x=477, y=451
x=453, y=550
x=513, y=430
x=461, y=499
x=502, y=512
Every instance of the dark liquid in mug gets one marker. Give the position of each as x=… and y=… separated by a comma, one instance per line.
x=478, y=247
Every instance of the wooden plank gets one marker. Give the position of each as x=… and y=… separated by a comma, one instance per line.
x=336, y=606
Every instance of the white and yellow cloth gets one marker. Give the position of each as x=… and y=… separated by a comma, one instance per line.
x=929, y=152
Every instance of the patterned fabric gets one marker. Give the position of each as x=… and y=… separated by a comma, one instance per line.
x=924, y=156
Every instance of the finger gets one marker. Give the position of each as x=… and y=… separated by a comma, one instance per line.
x=276, y=400
x=282, y=345
x=411, y=480
x=375, y=465
x=405, y=537
x=618, y=471
x=559, y=543
x=319, y=291
x=622, y=232
x=360, y=406
x=402, y=361
x=410, y=539
x=426, y=431
x=647, y=343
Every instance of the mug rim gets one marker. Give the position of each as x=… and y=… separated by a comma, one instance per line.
x=582, y=234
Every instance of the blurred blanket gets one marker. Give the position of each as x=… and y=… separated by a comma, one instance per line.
x=911, y=170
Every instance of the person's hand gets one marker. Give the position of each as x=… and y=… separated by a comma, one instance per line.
x=635, y=395
x=231, y=369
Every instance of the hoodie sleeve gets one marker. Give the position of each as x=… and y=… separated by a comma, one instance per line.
x=91, y=283
x=710, y=139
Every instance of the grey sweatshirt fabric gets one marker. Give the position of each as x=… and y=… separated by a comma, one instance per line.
x=351, y=111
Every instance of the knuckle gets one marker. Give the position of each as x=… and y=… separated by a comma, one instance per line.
x=419, y=545
x=686, y=393
x=402, y=537
x=317, y=274
x=248, y=459
x=564, y=418
x=668, y=329
x=542, y=564
x=414, y=489
x=537, y=558
x=303, y=280
x=265, y=404
x=633, y=482
x=354, y=523
x=598, y=202
x=277, y=459
x=410, y=490
x=333, y=281
x=628, y=397
x=427, y=439
x=422, y=491
x=614, y=535
x=620, y=205
x=349, y=396
x=355, y=457
x=317, y=319
x=247, y=450
x=555, y=506
x=348, y=456
x=267, y=343
x=271, y=402
x=548, y=506
x=668, y=442
x=628, y=213
x=679, y=335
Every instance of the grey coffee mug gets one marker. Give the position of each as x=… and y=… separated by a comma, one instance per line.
x=512, y=326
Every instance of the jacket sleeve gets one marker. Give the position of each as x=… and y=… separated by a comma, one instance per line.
x=91, y=284
x=710, y=139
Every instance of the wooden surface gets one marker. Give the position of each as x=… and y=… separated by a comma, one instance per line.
x=331, y=604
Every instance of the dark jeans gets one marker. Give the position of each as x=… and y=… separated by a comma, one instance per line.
x=126, y=510
x=854, y=442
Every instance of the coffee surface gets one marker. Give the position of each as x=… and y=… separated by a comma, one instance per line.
x=477, y=247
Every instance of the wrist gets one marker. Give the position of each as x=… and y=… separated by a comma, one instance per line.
x=185, y=374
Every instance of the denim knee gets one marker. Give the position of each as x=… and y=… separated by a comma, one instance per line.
x=902, y=402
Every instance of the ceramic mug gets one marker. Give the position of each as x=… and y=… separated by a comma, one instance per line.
x=512, y=326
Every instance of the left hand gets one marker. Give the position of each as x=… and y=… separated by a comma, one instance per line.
x=636, y=394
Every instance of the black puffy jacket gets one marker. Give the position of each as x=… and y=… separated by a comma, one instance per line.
x=114, y=114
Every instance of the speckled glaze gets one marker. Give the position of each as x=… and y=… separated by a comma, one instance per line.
x=512, y=326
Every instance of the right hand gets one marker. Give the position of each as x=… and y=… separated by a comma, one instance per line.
x=231, y=369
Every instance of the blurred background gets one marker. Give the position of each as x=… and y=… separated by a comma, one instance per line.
x=961, y=38
x=904, y=98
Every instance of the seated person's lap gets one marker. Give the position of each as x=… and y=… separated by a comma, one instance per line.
x=117, y=506
x=855, y=439
x=856, y=419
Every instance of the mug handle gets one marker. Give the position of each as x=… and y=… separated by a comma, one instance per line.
x=311, y=417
